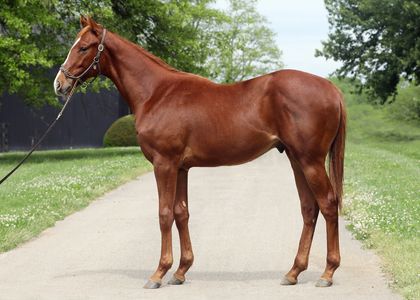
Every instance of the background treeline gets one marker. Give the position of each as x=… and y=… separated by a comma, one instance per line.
x=378, y=43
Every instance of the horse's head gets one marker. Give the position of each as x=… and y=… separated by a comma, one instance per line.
x=82, y=61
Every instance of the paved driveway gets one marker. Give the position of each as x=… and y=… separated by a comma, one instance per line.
x=245, y=225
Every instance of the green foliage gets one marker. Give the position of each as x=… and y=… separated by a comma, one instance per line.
x=406, y=105
x=177, y=31
x=382, y=187
x=24, y=54
x=65, y=181
x=375, y=125
x=377, y=41
x=35, y=36
x=244, y=45
x=350, y=90
x=121, y=133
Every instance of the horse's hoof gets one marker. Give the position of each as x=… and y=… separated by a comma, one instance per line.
x=288, y=281
x=152, y=285
x=176, y=281
x=323, y=283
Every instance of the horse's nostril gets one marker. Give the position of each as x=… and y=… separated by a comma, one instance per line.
x=57, y=85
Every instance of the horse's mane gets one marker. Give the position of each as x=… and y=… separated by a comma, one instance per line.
x=156, y=59
x=146, y=53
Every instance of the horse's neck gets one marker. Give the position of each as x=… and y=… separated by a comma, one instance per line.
x=136, y=75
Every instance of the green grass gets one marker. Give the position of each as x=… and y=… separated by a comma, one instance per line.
x=382, y=190
x=54, y=184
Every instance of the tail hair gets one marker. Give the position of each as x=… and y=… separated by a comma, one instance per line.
x=336, y=156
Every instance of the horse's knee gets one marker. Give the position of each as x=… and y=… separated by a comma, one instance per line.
x=181, y=213
x=166, y=217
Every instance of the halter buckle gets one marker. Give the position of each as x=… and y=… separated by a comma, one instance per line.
x=100, y=47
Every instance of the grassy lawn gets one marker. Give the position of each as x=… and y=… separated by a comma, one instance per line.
x=382, y=187
x=54, y=184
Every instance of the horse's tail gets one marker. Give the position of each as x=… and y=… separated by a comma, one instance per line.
x=336, y=156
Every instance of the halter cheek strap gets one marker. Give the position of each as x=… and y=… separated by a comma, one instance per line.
x=95, y=63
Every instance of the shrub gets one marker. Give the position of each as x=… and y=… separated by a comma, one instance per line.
x=121, y=133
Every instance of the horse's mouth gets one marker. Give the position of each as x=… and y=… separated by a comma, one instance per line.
x=66, y=91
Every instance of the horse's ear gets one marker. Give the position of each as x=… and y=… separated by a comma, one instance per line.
x=94, y=27
x=83, y=21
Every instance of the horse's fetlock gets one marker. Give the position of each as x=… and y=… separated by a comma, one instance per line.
x=301, y=264
x=166, y=263
x=187, y=259
x=333, y=260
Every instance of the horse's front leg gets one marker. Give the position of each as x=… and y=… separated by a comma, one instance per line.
x=181, y=220
x=166, y=173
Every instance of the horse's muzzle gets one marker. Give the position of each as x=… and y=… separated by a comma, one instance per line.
x=62, y=85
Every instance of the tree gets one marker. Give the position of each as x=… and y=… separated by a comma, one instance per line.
x=377, y=41
x=35, y=36
x=177, y=31
x=25, y=52
x=244, y=45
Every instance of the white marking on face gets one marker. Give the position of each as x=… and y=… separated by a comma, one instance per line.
x=55, y=83
x=68, y=55
x=58, y=73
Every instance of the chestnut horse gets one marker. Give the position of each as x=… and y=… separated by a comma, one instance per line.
x=184, y=120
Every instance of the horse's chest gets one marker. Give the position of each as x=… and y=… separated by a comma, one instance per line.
x=158, y=139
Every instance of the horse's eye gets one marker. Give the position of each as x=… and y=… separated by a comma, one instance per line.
x=83, y=49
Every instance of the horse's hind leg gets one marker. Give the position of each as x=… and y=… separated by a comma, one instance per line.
x=319, y=183
x=181, y=221
x=310, y=210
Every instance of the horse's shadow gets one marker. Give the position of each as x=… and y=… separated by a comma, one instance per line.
x=307, y=276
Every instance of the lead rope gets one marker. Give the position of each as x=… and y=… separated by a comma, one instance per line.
x=94, y=64
x=44, y=135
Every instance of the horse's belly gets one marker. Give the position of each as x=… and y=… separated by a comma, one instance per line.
x=213, y=151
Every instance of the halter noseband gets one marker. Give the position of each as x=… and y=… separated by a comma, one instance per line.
x=94, y=63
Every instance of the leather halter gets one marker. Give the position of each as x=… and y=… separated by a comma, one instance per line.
x=94, y=63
